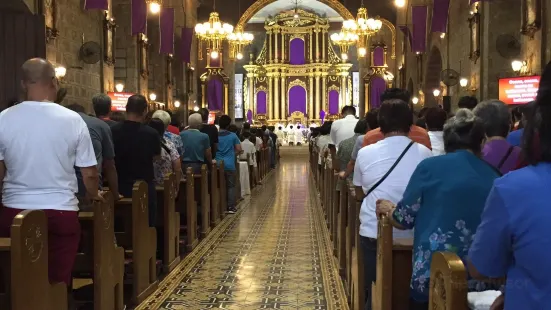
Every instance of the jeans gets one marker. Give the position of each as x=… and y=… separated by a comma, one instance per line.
x=125, y=189
x=230, y=186
x=369, y=251
x=195, y=167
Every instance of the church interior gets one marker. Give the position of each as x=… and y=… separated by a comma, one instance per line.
x=287, y=69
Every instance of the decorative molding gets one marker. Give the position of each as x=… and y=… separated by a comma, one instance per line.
x=393, y=31
x=530, y=17
x=297, y=36
x=297, y=82
x=50, y=19
x=474, y=26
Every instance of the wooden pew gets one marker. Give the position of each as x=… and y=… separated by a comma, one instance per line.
x=223, y=192
x=335, y=198
x=24, y=266
x=202, y=198
x=351, y=232
x=448, y=282
x=186, y=205
x=214, y=196
x=238, y=196
x=169, y=220
x=139, y=240
x=357, y=285
x=391, y=290
x=100, y=256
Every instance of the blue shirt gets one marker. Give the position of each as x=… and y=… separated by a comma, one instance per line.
x=226, y=149
x=515, y=137
x=196, y=145
x=443, y=202
x=514, y=237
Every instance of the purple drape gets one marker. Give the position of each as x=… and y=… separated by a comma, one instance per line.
x=440, y=16
x=379, y=56
x=297, y=99
x=419, y=17
x=214, y=94
x=333, y=102
x=376, y=87
x=166, y=28
x=322, y=115
x=187, y=39
x=250, y=116
x=261, y=102
x=96, y=5
x=296, y=51
x=139, y=16
x=407, y=33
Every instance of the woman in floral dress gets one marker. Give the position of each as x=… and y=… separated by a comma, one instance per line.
x=444, y=200
x=169, y=161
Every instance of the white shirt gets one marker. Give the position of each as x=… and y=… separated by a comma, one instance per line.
x=40, y=144
x=258, y=143
x=343, y=129
x=437, y=142
x=372, y=164
x=248, y=148
x=322, y=144
x=298, y=135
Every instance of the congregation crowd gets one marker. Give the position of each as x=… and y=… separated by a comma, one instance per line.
x=475, y=183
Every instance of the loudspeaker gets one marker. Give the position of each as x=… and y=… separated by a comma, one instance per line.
x=447, y=103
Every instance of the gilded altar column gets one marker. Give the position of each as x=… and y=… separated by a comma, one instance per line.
x=283, y=53
x=283, y=105
x=311, y=58
x=318, y=93
x=270, y=54
x=317, y=45
x=324, y=92
x=252, y=106
x=277, y=104
x=311, y=114
x=270, y=97
x=323, y=39
x=276, y=50
x=343, y=92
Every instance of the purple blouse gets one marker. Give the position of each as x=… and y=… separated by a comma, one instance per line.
x=497, y=151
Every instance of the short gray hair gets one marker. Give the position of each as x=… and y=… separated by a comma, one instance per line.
x=495, y=116
x=163, y=116
x=101, y=104
x=464, y=131
x=195, y=120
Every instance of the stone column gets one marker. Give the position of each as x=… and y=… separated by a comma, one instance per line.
x=318, y=99
x=343, y=92
x=311, y=97
x=276, y=50
x=250, y=78
x=324, y=92
x=311, y=44
x=277, y=104
x=284, y=109
x=270, y=97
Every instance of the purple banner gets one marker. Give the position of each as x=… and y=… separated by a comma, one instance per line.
x=407, y=33
x=322, y=115
x=214, y=94
x=440, y=16
x=139, y=17
x=296, y=52
x=166, y=28
x=96, y=5
x=297, y=99
x=334, y=102
x=419, y=18
x=376, y=88
x=250, y=116
x=187, y=39
x=379, y=57
x=261, y=102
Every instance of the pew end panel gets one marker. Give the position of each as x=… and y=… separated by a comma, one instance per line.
x=214, y=196
x=169, y=221
x=448, y=282
x=187, y=204
x=202, y=195
x=223, y=192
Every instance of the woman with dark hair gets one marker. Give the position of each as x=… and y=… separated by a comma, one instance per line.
x=512, y=240
x=324, y=139
x=169, y=160
x=435, y=118
x=382, y=171
x=443, y=200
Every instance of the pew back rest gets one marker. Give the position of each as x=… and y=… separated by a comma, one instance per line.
x=382, y=288
x=334, y=160
x=448, y=282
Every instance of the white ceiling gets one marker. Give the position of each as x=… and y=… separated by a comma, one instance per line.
x=284, y=5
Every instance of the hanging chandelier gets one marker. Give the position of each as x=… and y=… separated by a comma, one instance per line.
x=154, y=5
x=345, y=39
x=212, y=33
x=238, y=40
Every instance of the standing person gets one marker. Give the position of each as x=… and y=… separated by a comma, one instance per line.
x=323, y=141
x=40, y=144
x=175, y=129
x=210, y=130
x=344, y=128
x=169, y=161
x=102, y=108
x=515, y=137
x=435, y=118
x=197, y=149
x=170, y=135
x=249, y=150
x=229, y=148
x=344, y=153
x=382, y=171
x=136, y=146
x=467, y=102
x=102, y=141
x=499, y=153
x=298, y=135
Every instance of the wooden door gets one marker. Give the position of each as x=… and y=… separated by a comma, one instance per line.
x=23, y=36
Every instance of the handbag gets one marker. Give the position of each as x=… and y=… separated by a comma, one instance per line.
x=390, y=170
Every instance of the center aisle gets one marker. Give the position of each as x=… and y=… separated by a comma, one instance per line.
x=274, y=253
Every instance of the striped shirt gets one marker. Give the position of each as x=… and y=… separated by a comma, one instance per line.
x=416, y=134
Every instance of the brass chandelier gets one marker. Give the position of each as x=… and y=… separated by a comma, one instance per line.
x=238, y=40
x=212, y=34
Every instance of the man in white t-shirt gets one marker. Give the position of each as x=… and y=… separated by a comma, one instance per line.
x=343, y=129
x=249, y=153
x=372, y=163
x=41, y=143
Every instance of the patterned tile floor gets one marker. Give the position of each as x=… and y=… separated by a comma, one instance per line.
x=273, y=254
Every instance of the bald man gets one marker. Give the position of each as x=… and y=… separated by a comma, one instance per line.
x=197, y=147
x=40, y=144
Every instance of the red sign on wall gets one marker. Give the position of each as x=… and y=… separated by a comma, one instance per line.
x=519, y=90
x=118, y=100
